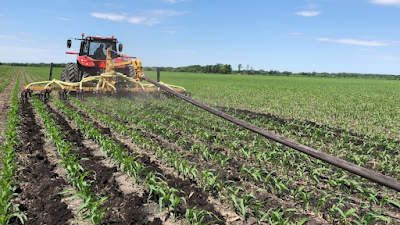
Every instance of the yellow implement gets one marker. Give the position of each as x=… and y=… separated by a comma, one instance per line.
x=107, y=82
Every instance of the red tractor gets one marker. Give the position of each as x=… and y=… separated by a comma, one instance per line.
x=91, y=59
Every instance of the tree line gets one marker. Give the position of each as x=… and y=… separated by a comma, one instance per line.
x=321, y=74
x=227, y=69
x=33, y=64
x=217, y=68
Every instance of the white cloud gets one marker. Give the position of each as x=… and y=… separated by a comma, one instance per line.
x=386, y=2
x=308, y=13
x=149, y=18
x=312, y=6
x=28, y=40
x=143, y=20
x=20, y=49
x=175, y=1
x=165, y=13
x=63, y=18
x=295, y=33
x=172, y=30
x=391, y=58
x=108, y=16
x=354, y=42
x=136, y=19
x=15, y=38
x=183, y=51
x=6, y=36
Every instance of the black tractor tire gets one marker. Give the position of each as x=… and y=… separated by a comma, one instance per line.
x=72, y=72
x=84, y=73
x=63, y=75
x=128, y=71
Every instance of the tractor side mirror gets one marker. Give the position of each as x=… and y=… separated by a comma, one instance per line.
x=120, y=47
x=69, y=44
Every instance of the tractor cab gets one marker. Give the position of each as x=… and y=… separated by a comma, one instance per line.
x=96, y=47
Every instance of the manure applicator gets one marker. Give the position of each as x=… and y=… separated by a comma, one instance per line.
x=99, y=69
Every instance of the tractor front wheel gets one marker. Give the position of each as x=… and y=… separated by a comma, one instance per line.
x=63, y=76
x=72, y=72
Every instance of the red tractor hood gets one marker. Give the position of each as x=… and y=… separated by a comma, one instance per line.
x=86, y=61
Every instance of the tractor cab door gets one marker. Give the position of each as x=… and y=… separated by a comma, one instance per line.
x=84, y=48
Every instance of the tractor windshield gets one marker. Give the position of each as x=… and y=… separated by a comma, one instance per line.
x=98, y=49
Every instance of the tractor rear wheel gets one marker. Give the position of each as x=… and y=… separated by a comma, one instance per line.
x=72, y=72
x=63, y=78
x=129, y=71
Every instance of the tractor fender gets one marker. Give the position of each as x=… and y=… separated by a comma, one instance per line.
x=86, y=61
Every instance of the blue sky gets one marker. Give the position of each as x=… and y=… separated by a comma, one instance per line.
x=293, y=35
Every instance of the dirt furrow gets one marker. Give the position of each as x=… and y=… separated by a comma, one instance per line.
x=127, y=203
x=194, y=195
x=230, y=172
x=39, y=183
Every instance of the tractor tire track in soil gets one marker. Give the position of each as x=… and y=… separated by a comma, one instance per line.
x=194, y=196
x=124, y=208
x=39, y=183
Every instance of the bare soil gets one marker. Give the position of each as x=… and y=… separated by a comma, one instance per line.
x=39, y=184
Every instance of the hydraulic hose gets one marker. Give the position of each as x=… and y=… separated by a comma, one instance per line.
x=350, y=167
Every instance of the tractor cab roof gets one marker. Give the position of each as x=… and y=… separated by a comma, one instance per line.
x=91, y=38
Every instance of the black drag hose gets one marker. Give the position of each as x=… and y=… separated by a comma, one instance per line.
x=351, y=167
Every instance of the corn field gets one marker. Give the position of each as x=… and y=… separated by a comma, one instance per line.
x=146, y=160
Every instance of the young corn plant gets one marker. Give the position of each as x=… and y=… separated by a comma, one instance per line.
x=7, y=156
x=92, y=208
x=194, y=217
x=243, y=204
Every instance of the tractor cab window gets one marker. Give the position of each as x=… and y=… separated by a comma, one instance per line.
x=84, y=48
x=98, y=50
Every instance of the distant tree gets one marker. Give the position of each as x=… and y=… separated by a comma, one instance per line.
x=239, y=67
x=252, y=71
x=228, y=68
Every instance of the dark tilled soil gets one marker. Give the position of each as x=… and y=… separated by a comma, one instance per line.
x=197, y=196
x=231, y=172
x=124, y=209
x=39, y=184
